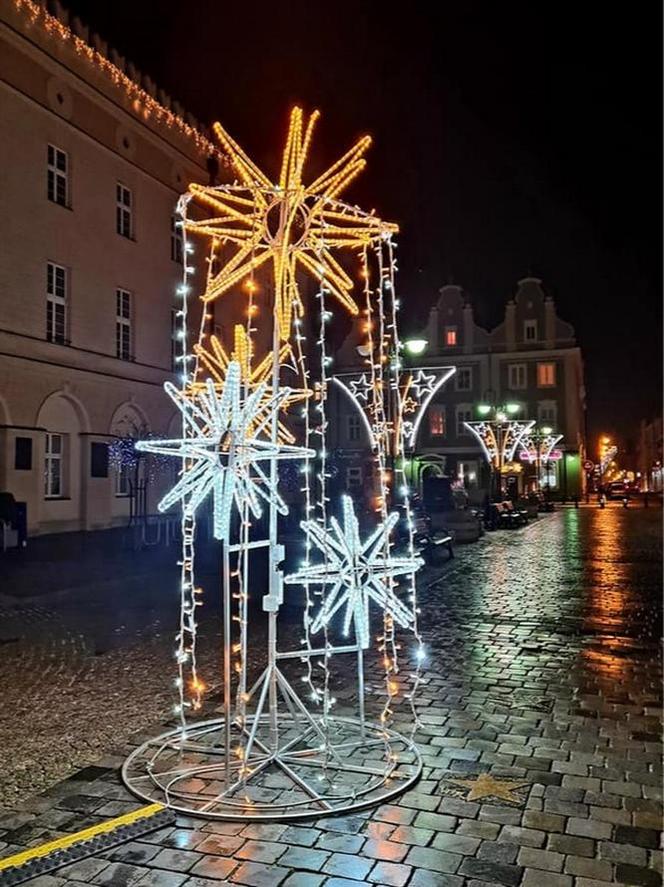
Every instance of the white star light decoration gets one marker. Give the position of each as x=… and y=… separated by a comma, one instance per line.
x=355, y=571
x=424, y=383
x=361, y=387
x=227, y=444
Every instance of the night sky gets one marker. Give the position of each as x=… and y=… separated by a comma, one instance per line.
x=509, y=139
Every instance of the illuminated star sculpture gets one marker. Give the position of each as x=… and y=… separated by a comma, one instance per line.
x=360, y=387
x=286, y=223
x=355, y=571
x=223, y=453
x=215, y=360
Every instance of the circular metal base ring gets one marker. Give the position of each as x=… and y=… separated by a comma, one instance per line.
x=311, y=771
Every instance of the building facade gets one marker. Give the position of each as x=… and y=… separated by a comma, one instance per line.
x=94, y=159
x=531, y=360
x=649, y=456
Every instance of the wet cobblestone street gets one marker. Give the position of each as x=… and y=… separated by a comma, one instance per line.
x=540, y=709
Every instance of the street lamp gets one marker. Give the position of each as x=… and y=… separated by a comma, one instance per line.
x=415, y=347
x=498, y=433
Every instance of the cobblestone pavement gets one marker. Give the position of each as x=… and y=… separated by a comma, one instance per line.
x=541, y=729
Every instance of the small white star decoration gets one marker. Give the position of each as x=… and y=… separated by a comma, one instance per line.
x=361, y=387
x=424, y=383
x=355, y=571
x=227, y=443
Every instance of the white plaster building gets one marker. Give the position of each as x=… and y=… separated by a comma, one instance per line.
x=93, y=159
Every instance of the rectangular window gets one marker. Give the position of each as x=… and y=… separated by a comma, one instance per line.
x=53, y=466
x=516, y=376
x=463, y=379
x=57, y=176
x=436, y=420
x=353, y=427
x=123, y=211
x=530, y=330
x=177, y=243
x=353, y=478
x=463, y=414
x=122, y=482
x=450, y=336
x=23, y=454
x=56, y=303
x=547, y=413
x=123, y=324
x=546, y=375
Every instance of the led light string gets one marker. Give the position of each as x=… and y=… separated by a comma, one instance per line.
x=400, y=467
x=139, y=96
x=325, y=360
x=189, y=593
x=388, y=640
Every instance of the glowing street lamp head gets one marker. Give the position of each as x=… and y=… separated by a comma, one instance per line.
x=512, y=408
x=415, y=346
x=484, y=409
x=547, y=429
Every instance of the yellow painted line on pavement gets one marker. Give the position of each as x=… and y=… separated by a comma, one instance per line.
x=102, y=828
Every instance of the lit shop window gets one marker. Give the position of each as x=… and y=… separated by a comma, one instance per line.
x=450, y=336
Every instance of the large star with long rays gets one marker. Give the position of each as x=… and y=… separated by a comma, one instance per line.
x=355, y=571
x=216, y=359
x=293, y=226
x=225, y=448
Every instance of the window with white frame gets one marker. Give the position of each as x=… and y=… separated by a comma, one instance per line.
x=517, y=376
x=123, y=210
x=530, y=330
x=464, y=413
x=546, y=375
x=547, y=413
x=56, y=303
x=177, y=241
x=436, y=420
x=353, y=477
x=53, y=466
x=57, y=176
x=123, y=324
x=353, y=426
x=122, y=480
x=463, y=379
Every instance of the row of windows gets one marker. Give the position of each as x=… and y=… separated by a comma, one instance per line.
x=530, y=334
x=547, y=414
x=57, y=287
x=56, y=464
x=58, y=190
x=517, y=376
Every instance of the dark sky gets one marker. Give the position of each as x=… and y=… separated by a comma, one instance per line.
x=510, y=138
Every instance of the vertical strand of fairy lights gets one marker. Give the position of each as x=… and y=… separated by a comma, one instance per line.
x=403, y=487
x=241, y=596
x=325, y=361
x=388, y=642
x=306, y=489
x=185, y=652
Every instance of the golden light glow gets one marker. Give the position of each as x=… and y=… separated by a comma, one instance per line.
x=216, y=359
x=289, y=224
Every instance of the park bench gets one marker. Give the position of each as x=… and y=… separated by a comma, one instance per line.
x=436, y=545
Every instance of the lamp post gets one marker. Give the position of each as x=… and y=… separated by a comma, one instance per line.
x=499, y=433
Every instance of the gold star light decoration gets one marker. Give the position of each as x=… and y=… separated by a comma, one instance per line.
x=292, y=226
x=215, y=360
